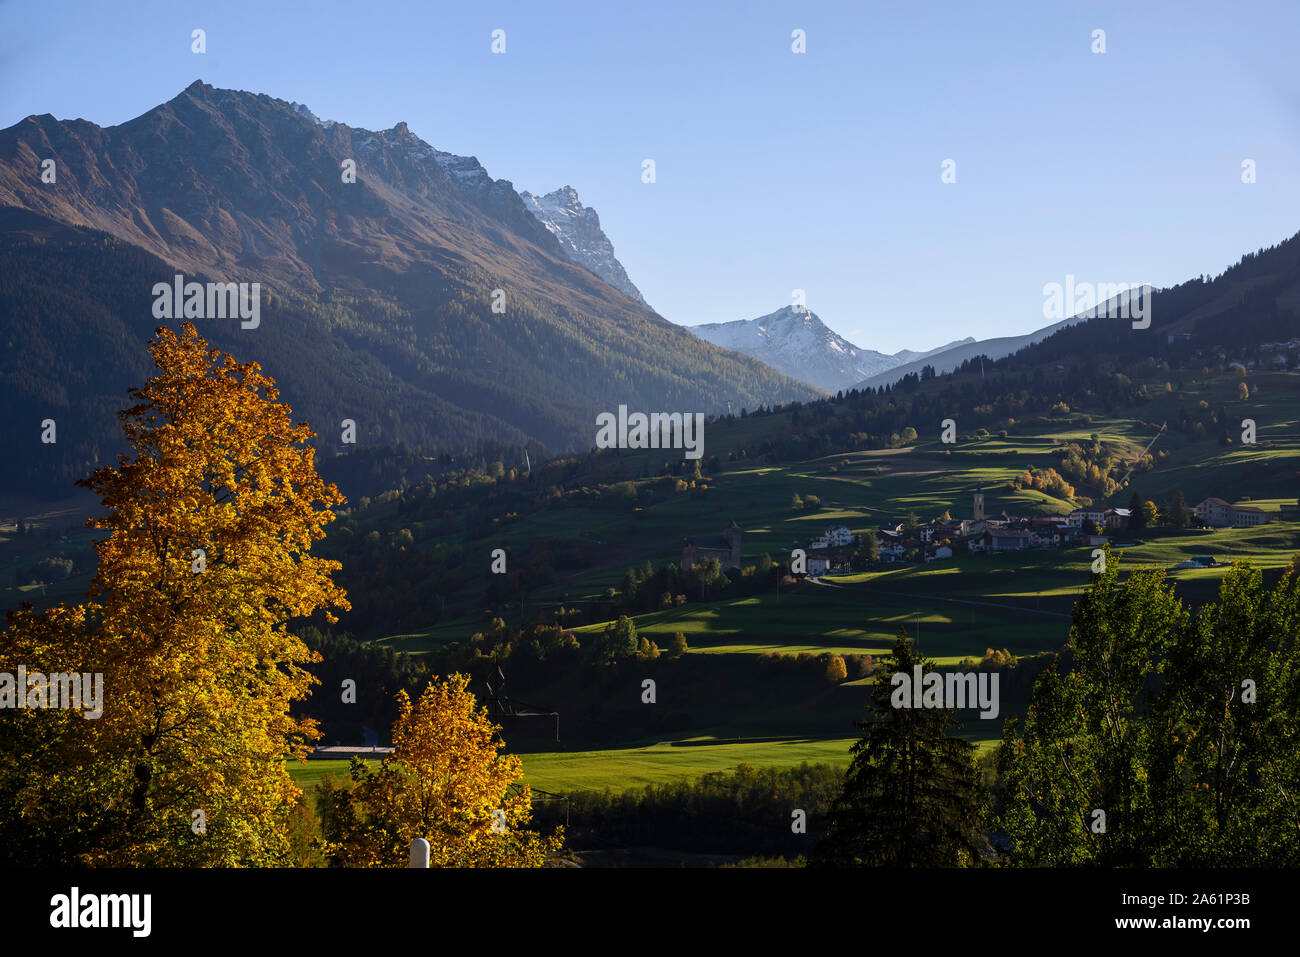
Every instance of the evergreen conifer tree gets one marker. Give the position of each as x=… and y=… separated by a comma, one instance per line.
x=912, y=795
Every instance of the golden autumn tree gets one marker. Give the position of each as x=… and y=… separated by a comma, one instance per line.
x=210, y=525
x=443, y=781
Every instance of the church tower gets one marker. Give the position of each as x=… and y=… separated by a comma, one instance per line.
x=979, y=503
x=732, y=537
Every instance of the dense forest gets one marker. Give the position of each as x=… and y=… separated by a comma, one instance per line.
x=423, y=362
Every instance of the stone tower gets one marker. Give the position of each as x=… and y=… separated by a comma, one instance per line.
x=979, y=503
x=732, y=537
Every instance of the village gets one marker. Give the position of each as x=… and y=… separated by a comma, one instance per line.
x=945, y=537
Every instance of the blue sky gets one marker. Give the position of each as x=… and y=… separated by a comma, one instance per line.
x=778, y=171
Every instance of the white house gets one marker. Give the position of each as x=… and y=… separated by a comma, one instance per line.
x=1081, y=515
x=838, y=536
x=937, y=553
x=1220, y=514
x=818, y=566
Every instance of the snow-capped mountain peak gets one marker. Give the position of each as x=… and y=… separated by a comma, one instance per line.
x=577, y=228
x=794, y=341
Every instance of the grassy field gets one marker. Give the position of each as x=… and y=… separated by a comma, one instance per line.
x=565, y=772
x=859, y=618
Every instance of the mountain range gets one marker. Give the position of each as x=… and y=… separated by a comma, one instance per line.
x=422, y=298
x=405, y=288
x=793, y=340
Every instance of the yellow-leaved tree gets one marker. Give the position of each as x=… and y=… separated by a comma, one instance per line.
x=443, y=781
x=210, y=524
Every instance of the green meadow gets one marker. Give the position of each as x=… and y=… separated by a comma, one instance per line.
x=617, y=769
x=565, y=772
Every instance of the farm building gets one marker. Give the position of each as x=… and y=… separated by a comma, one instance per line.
x=1117, y=518
x=1217, y=513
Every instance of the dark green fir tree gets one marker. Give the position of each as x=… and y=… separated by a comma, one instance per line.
x=912, y=795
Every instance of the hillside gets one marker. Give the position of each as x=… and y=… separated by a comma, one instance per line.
x=949, y=358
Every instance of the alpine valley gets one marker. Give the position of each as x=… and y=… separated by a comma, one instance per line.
x=689, y=628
